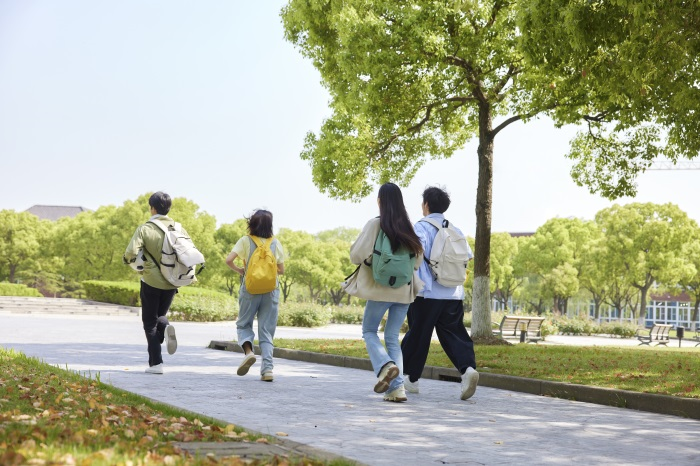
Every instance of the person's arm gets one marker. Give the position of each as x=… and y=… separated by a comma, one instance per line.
x=363, y=246
x=135, y=245
x=279, y=256
x=229, y=261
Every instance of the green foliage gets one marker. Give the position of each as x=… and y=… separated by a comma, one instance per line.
x=12, y=289
x=210, y=306
x=347, y=315
x=636, y=63
x=618, y=329
x=21, y=235
x=303, y=315
x=124, y=293
x=576, y=326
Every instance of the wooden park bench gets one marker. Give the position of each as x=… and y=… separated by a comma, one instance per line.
x=511, y=326
x=658, y=333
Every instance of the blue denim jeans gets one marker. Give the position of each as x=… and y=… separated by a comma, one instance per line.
x=265, y=307
x=374, y=312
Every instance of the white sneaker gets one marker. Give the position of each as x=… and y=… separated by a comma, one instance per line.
x=157, y=369
x=397, y=395
x=170, y=339
x=470, y=379
x=388, y=373
x=411, y=387
x=267, y=376
x=248, y=361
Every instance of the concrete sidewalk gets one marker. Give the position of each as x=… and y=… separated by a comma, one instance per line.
x=334, y=409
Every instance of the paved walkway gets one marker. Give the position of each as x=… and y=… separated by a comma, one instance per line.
x=334, y=409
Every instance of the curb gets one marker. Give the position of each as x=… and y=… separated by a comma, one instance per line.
x=659, y=404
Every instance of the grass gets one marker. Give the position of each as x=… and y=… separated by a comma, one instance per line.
x=53, y=416
x=665, y=371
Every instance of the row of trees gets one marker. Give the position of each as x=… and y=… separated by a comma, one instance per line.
x=56, y=256
x=616, y=259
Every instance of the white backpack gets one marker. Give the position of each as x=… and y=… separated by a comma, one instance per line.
x=180, y=256
x=449, y=255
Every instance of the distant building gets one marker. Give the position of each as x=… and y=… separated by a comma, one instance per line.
x=54, y=212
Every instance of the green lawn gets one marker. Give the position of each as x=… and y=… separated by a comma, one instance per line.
x=667, y=371
x=52, y=416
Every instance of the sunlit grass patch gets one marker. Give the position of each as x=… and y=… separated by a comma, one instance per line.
x=667, y=371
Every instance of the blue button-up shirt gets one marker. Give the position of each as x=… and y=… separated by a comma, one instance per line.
x=432, y=289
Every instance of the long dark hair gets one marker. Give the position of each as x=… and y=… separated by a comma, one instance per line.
x=394, y=221
x=260, y=224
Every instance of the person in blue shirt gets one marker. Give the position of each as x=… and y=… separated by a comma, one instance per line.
x=438, y=308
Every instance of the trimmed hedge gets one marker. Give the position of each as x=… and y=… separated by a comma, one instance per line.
x=190, y=303
x=124, y=293
x=303, y=315
x=14, y=289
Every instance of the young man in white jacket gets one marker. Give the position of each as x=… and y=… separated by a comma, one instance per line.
x=438, y=308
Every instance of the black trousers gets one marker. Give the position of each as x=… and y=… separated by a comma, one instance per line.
x=446, y=317
x=154, y=305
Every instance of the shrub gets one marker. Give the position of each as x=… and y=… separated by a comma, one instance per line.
x=575, y=325
x=303, y=315
x=124, y=293
x=618, y=329
x=347, y=315
x=13, y=289
x=203, y=307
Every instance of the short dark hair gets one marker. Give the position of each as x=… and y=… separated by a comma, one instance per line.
x=260, y=223
x=437, y=199
x=161, y=202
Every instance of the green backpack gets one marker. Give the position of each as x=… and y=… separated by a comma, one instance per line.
x=391, y=269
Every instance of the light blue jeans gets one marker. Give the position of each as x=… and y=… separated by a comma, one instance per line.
x=265, y=307
x=374, y=312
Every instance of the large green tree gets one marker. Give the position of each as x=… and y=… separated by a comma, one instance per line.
x=554, y=253
x=637, y=63
x=225, y=237
x=645, y=244
x=504, y=276
x=20, y=243
x=414, y=80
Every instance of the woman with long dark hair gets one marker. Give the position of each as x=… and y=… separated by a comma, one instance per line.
x=387, y=253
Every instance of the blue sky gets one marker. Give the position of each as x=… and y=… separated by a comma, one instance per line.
x=103, y=101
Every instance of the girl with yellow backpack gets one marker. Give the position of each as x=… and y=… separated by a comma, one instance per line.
x=263, y=260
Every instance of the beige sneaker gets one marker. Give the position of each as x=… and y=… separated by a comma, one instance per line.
x=248, y=361
x=397, y=396
x=266, y=376
x=388, y=373
x=470, y=379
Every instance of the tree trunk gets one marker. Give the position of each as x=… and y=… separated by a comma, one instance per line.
x=481, y=301
x=694, y=319
x=13, y=268
x=642, y=306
